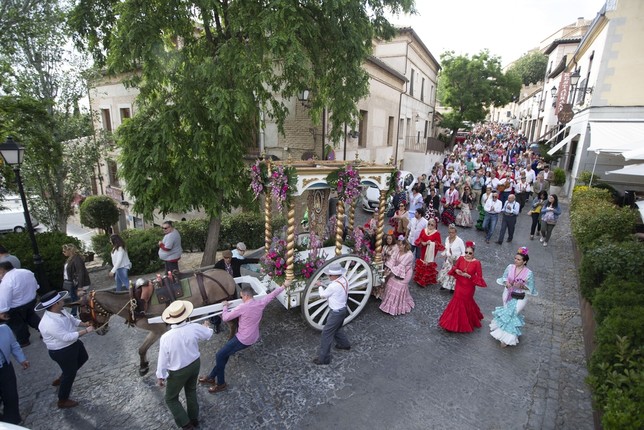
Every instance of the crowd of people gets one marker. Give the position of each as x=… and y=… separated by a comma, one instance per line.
x=495, y=175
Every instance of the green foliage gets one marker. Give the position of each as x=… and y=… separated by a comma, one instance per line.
x=618, y=383
x=41, y=77
x=198, y=105
x=560, y=177
x=615, y=293
x=99, y=212
x=583, y=196
x=602, y=220
x=531, y=67
x=623, y=260
x=50, y=246
x=586, y=177
x=470, y=85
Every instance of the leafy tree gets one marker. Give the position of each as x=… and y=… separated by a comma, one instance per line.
x=202, y=86
x=43, y=86
x=531, y=67
x=99, y=212
x=470, y=85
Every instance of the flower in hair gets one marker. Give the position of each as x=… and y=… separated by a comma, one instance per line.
x=469, y=244
x=523, y=250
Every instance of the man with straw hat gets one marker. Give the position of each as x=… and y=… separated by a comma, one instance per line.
x=336, y=293
x=58, y=330
x=179, y=362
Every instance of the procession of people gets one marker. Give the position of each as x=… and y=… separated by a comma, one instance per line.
x=491, y=175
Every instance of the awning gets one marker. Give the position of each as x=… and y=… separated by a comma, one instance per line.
x=563, y=143
x=631, y=170
x=616, y=137
x=556, y=134
x=636, y=154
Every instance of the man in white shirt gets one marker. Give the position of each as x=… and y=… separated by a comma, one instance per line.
x=179, y=362
x=416, y=225
x=492, y=209
x=510, y=212
x=18, y=298
x=336, y=294
x=58, y=329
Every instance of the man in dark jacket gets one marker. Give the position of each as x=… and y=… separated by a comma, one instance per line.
x=233, y=265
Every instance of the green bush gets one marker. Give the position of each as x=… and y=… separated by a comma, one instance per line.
x=50, y=247
x=193, y=234
x=583, y=195
x=625, y=261
x=560, y=177
x=247, y=228
x=626, y=321
x=99, y=212
x=614, y=293
x=601, y=219
x=617, y=381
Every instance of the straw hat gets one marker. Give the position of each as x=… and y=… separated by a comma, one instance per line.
x=177, y=312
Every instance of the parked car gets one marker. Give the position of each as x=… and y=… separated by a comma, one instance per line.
x=13, y=219
x=371, y=195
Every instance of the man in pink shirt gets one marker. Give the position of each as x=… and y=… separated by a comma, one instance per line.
x=250, y=313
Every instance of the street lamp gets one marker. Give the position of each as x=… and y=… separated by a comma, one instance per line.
x=13, y=155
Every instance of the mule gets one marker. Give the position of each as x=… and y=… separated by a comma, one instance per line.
x=98, y=306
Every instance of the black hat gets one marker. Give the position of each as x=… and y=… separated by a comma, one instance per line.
x=50, y=299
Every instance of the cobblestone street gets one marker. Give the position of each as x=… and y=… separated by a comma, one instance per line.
x=402, y=372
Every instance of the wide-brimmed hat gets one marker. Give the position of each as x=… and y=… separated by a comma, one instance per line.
x=177, y=312
x=50, y=299
x=241, y=246
x=335, y=270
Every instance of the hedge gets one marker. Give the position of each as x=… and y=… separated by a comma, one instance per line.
x=623, y=260
x=142, y=245
x=50, y=246
x=610, y=278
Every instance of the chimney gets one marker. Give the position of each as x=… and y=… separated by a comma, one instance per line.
x=581, y=22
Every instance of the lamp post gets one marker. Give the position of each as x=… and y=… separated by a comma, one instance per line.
x=13, y=155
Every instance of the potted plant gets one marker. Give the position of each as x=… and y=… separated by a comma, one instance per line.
x=559, y=182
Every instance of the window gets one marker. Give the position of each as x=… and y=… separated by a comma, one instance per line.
x=111, y=171
x=362, y=139
x=426, y=128
x=125, y=113
x=422, y=90
x=411, y=83
x=390, y=131
x=107, y=119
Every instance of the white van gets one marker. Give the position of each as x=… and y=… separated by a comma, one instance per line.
x=13, y=219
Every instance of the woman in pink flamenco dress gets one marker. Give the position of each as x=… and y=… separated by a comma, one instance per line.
x=462, y=314
x=396, y=299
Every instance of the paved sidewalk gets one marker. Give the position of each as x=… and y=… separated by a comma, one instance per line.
x=403, y=372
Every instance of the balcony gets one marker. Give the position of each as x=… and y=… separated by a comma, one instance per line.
x=423, y=145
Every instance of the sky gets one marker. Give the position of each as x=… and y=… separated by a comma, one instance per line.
x=507, y=28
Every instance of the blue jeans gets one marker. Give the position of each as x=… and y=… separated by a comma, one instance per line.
x=489, y=224
x=122, y=282
x=221, y=359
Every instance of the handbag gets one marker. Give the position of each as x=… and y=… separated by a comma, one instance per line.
x=549, y=217
x=519, y=295
x=68, y=285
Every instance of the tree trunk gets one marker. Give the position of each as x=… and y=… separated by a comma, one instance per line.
x=212, y=242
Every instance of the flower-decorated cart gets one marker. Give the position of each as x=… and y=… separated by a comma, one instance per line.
x=305, y=268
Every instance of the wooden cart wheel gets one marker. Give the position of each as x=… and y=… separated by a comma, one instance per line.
x=316, y=309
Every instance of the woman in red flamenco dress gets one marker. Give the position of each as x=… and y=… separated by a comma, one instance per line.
x=429, y=242
x=462, y=314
